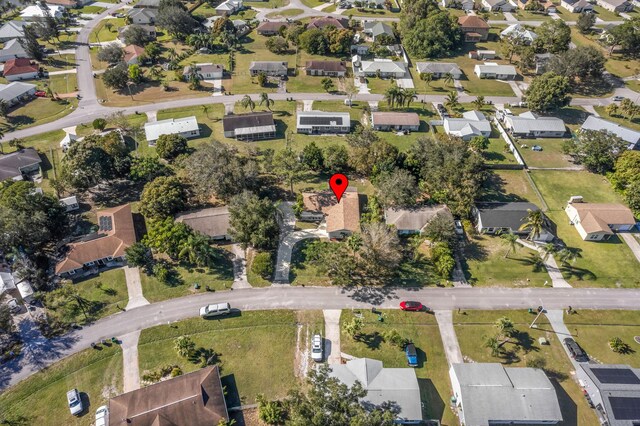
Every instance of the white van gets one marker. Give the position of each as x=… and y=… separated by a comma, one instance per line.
x=215, y=310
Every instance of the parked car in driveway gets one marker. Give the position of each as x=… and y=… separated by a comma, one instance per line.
x=215, y=310
x=412, y=355
x=618, y=98
x=411, y=306
x=102, y=416
x=575, y=350
x=41, y=93
x=317, y=351
x=74, y=402
x=14, y=306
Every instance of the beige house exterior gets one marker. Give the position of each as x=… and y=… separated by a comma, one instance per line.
x=598, y=221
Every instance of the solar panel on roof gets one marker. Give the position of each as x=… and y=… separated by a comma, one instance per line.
x=625, y=408
x=105, y=223
x=618, y=376
x=322, y=121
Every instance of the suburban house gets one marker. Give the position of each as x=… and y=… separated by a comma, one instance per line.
x=598, y=221
x=19, y=164
x=542, y=60
x=194, y=399
x=531, y=125
x=385, y=68
x=11, y=30
x=12, y=49
x=375, y=29
x=439, y=69
x=229, y=7
x=249, y=127
x=207, y=71
x=319, y=122
x=132, y=54
x=548, y=6
x=472, y=123
x=624, y=133
x=481, y=55
x=413, y=220
x=153, y=4
x=40, y=11
x=326, y=68
x=146, y=16
x=517, y=31
x=342, y=218
x=328, y=21
x=11, y=284
x=498, y=5
x=70, y=3
x=187, y=127
x=213, y=222
x=474, y=28
x=70, y=203
x=395, y=121
x=270, y=68
x=616, y=5
x=20, y=69
x=489, y=394
x=106, y=247
x=459, y=4
x=241, y=26
x=16, y=92
x=399, y=385
x=577, y=6
x=505, y=217
x=150, y=30
x=614, y=391
x=271, y=28
x=494, y=70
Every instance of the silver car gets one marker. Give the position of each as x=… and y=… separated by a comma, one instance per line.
x=317, y=352
x=102, y=416
x=74, y=402
x=215, y=310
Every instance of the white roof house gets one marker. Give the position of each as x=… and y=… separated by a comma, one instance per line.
x=494, y=70
x=439, y=69
x=187, y=127
x=70, y=203
x=68, y=139
x=399, y=385
x=12, y=49
x=229, y=7
x=40, y=11
x=384, y=67
x=488, y=393
x=472, y=123
x=12, y=92
x=12, y=29
x=518, y=31
x=10, y=282
x=624, y=133
x=529, y=124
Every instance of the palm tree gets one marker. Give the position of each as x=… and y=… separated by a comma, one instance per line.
x=427, y=77
x=534, y=222
x=205, y=109
x=612, y=110
x=4, y=108
x=264, y=99
x=247, y=102
x=410, y=95
x=451, y=100
x=493, y=344
x=155, y=72
x=479, y=102
x=193, y=76
x=172, y=54
x=568, y=256
x=448, y=79
x=391, y=95
x=511, y=241
x=505, y=326
x=184, y=346
x=547, y=250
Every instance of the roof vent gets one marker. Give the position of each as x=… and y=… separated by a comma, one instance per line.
x=576, y=199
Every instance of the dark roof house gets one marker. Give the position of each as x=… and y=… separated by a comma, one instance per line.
x=271, y=27
x=334, y=68
x=252, y=126
x=194, y=399
x=499, y=217
x=328, y=21
x=614, y=390
x=213, y=222
x=15, y=165
x=414, y=220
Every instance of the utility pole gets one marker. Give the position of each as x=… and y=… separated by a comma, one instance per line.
x=540, y=311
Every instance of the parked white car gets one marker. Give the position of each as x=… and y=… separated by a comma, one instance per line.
x=215, y=310
x=102, y=416
x=74, y=402
x=317, y=351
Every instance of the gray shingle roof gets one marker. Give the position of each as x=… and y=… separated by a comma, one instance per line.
x=438, y=68
x=213, y=222
x=504, y=215
x=624, y=133
x=13, y=29
x=233, y=122
x=414, y=219
x=11, y=164
x=269, y=65
x=13, y=48
x=10, y=91
x=530, y=122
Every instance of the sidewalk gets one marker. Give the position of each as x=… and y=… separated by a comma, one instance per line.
x=632, y=242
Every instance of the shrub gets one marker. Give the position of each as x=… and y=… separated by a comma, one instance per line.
x=263, y=264
x=176, y=371
x=395, y=339
x=618, y=346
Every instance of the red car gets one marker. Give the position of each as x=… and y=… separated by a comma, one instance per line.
x=41, y=94
x=411, y=306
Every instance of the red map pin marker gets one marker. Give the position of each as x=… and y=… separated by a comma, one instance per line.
x=338, y=184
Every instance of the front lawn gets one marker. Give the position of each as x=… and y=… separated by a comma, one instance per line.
x=101, y=33
x=484, y=264
x=471, y=328
x=605, y=263
x=422, y=329
x=38, y=111
x=594, y=329
x=301, y=272
x=41, y=398
x=256, y=350
x=285, y=13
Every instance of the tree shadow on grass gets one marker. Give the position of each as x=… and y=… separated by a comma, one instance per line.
x=473, y=250
x=372, y=340
x=494, y=189
x=580, y=274
x=534, y=260
x=117, y=192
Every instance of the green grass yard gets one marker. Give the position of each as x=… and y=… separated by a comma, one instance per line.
x=285, y=13
x=633, y=123
x=302, y=273
x=508, y=185
x=38, y=111
x=101, y=33
x=257, y=349
x=106, y=300
x=593, y=330
x=41, y=398
x=422, y=329
x=472, y=326
x=550, y=156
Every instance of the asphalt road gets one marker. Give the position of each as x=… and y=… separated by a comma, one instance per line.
x=43, y=353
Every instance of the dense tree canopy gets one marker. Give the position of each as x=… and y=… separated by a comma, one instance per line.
x=135, y=34
x=548, y=92
x=627, y=36
x=253, y=221
x=111, y=53
x=583, y=62
x=177, y=21
x=397, y=188
x=554, y=36
x=597, y=150
x=436, y=36
x=170, y=146
x=162, y=197
x=116, y=77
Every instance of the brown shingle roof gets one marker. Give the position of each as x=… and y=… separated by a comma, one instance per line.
x=132, y=51
x=326, y=22
x=113, y=240
x=596, y=217
x=271, y=26
x=213, y=222
x=19, y=66
x=345, y=215
x=194, y=399
x=415, y=219
x=396, y=118
x=471, y=21
x=335, y=66
x=319, y=201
